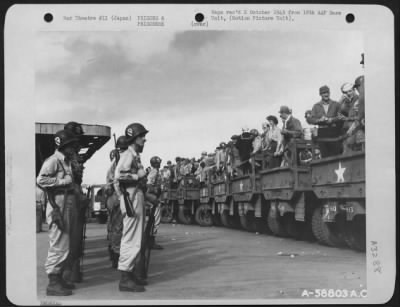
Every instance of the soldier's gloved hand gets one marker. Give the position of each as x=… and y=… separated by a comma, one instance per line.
x=56, y=218
x=66, y=180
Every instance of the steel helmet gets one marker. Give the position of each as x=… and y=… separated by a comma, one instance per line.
x=64, y=137
x=133, y=131
x=122, y=143
x=155, y=161
x=74, y=127
x=346, y=87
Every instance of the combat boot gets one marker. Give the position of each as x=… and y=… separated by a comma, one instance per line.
x=76, y=274
x=55, y=287
x=127, y=284
x=138, y=279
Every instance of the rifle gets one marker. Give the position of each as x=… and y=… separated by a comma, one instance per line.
x=83, y=241
x=147, y=243
x=130, y=211
x=58, y=218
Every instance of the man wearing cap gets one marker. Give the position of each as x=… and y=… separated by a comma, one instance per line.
x=325, y=114
x=348, y=98
x=56, y=178
x=291, y=130
x=130, y=174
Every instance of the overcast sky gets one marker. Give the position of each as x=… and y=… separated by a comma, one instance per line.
x=191, y=89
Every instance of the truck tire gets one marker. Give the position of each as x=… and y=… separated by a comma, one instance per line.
x=293, y=228
x=184, y=215
x=275, y=224
x=355, y=234
x=166, y=213
x=203, y=215
x=326, y=233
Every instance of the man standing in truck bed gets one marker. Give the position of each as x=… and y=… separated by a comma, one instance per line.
x=56, y=178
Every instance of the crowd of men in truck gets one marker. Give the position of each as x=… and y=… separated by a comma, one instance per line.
x=130, y=186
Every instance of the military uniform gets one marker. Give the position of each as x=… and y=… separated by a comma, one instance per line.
x=154, y=180
x=115, y=221
x=133, y=227
x=56, y=176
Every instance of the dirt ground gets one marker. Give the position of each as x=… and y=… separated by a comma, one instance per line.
x=203, y=263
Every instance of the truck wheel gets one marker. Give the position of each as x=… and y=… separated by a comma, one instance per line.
x=203, y=215
x=354, y=234
x=166, y=213
x=102, y=218
x=293, y=228
x=184, y=215
x=276, y=226
x=326, y=233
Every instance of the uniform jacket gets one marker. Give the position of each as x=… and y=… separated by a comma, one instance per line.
x=294, y=129
x=128, y=166
x=318, y=111
x=53, y=171
x=154, y=177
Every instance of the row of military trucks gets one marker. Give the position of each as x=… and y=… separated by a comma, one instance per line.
x=323, y=200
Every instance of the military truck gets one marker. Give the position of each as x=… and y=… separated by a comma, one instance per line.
x=203, y=214
x=287, y=189
x=98, y=206
x=339, y=185
x=170, y=206
x=188, y=196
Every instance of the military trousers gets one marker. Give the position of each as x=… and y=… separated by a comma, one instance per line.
x=59, y=240
x=132, y=231
x=115, y=223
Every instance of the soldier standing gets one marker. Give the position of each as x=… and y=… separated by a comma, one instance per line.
x=326, y=114
x=56, y=178
x=130, y=168
x=153, y=194
x=115, y=223
x=72, y=271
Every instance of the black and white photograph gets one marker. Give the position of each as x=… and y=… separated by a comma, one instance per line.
x=196, y=165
